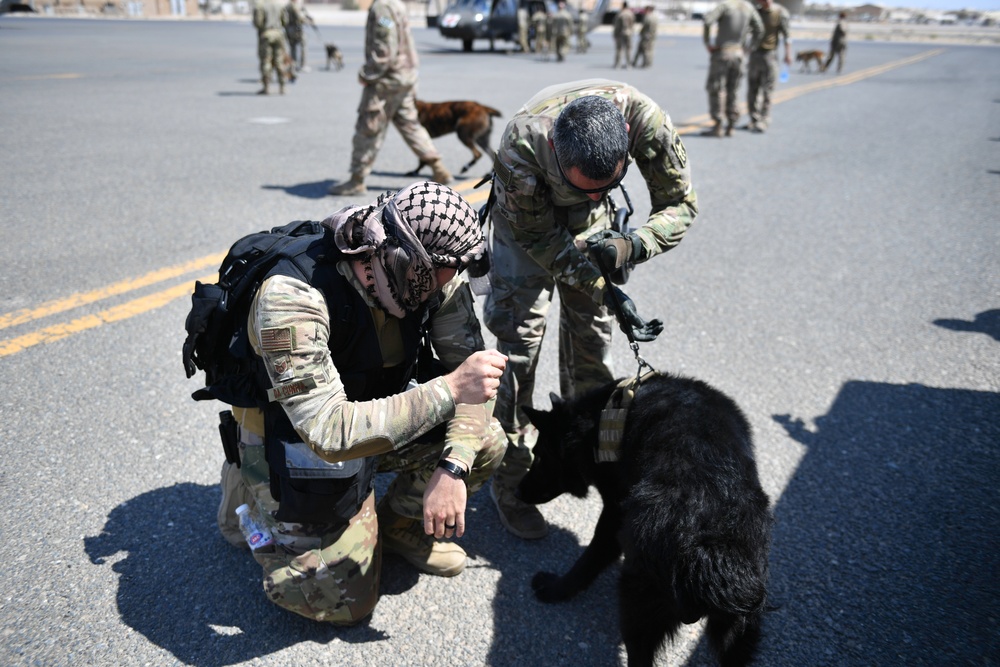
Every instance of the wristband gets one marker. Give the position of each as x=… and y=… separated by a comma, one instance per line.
x=452, y=467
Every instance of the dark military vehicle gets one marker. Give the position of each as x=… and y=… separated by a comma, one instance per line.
x=469, y=20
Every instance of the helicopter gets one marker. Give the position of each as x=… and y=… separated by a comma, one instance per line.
x=469, y=20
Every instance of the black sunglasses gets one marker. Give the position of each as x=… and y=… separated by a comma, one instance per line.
x=593, y=191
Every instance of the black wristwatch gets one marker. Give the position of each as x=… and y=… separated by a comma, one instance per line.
x=452, y=467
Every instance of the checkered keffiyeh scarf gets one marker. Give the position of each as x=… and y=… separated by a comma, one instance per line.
x=401, y=238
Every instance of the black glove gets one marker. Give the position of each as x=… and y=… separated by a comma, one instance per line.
x=641, y=329
x=611, y=249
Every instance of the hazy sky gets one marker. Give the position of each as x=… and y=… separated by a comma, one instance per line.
x=981, y=5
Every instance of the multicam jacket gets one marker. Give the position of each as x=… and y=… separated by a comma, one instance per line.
x=530, y=190
x=390, y=55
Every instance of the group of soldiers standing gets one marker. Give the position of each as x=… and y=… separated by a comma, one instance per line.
x=280, y=41
x=552, y=32
x=624, y=27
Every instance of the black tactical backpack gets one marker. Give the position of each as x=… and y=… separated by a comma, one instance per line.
x=217, y=341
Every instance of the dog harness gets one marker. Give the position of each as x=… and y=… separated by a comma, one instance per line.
x=612, y=426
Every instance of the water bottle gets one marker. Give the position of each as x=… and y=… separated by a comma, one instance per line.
x=783, y=77
x=254, y=531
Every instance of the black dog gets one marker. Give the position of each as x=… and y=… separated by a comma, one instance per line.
x=333, y=55
x=684, y=504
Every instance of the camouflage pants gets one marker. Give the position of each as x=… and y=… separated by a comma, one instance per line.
x=380, y=105
x=297, y=49
x=762, y=75
x=271, y=52
x=328, y=572
x=515, y=311
x=725, y=71
x=643, y=53
x=623, y=50
x=560, y=44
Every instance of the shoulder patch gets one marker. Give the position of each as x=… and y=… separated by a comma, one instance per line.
x=677, y=148
x=289, y=389
x=386, y=22
x=277, y=339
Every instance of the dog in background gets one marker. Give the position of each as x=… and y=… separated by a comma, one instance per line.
x=471, y=121
x=683, y=503
x=334, y=56
x=806, y=57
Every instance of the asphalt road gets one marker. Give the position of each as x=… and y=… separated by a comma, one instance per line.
x=841, y=283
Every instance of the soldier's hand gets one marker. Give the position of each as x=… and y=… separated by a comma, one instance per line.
x=612, y=250
x=444, y=505
x=478, y=378
x=642, y=330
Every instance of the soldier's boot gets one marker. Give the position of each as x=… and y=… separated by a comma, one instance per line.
x=716, y=130
x=353, y=186
x=281, y=86
x=440, y=172
x=519, y=518
x=405, y=537
x=729, y=129
x=264, y=90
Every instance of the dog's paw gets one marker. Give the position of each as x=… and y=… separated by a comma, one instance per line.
x=548, y=587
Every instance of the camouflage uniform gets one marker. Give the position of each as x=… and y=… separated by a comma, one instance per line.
x=736, y=19
x=762, y=73
x=329, y=572
x=269, y=17
x=582, y=26
x=539, y=228
x=522, y=29
x=390, y=78
x=296, y=34
x=562, y=30
x=539, y=21
x=624, y=23
x=647, y=39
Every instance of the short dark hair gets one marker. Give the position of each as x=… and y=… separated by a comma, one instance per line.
x=590, y=134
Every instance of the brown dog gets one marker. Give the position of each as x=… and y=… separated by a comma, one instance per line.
x=471, y=121
x=334, y=56
x=806, y=57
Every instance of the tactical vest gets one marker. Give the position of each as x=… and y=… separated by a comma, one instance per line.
x=307, y=488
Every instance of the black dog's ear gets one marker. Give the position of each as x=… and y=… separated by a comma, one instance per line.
x=556, y=399
x=537, y=417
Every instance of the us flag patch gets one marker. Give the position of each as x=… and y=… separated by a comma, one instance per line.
x=278, y=339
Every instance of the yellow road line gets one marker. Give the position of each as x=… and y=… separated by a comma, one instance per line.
x=75, y=300
x=118, y=313
x=153, y=301
x=67, y=75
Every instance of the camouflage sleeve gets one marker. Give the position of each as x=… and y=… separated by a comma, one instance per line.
x=756, y=29
x=783, y=26
x=290, y=329
x=660, y=155
x=456, y=334
x=709, y=20
x=381, y=42
x=524, y=203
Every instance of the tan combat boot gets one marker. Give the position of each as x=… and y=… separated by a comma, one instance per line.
x=354, y=186
x=519, y=518
x=441, y=174
x=729, y=130
x=264, y=91
x=405, y=537
x=716, y=130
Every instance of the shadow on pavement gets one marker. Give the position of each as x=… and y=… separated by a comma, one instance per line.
x=987, y=322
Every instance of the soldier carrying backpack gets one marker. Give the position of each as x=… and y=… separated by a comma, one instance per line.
x=317, y=335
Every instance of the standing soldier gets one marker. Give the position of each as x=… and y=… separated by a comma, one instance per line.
x=582, y=26
x=294, y=31
x=269, y=17
x=389, y=77
x=559, y=157
x=736, y=18
x=762, y=73
x=624, y=23
x=838, y=44
x=562, y=30
x=540, y=21
x=647, y=38
x=522, y=27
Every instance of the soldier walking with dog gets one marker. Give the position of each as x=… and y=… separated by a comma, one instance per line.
x=647, y=38
x=838, y=44
x=736, y=20
x=270, y=18
x=558, y=159
x=295, y=33
x=335, y=334
x=389, y=77
x=762, y=73
x=540, y=23
x=623, y=26
x=582, y=26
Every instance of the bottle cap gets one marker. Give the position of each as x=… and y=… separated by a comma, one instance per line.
x=242, y=508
